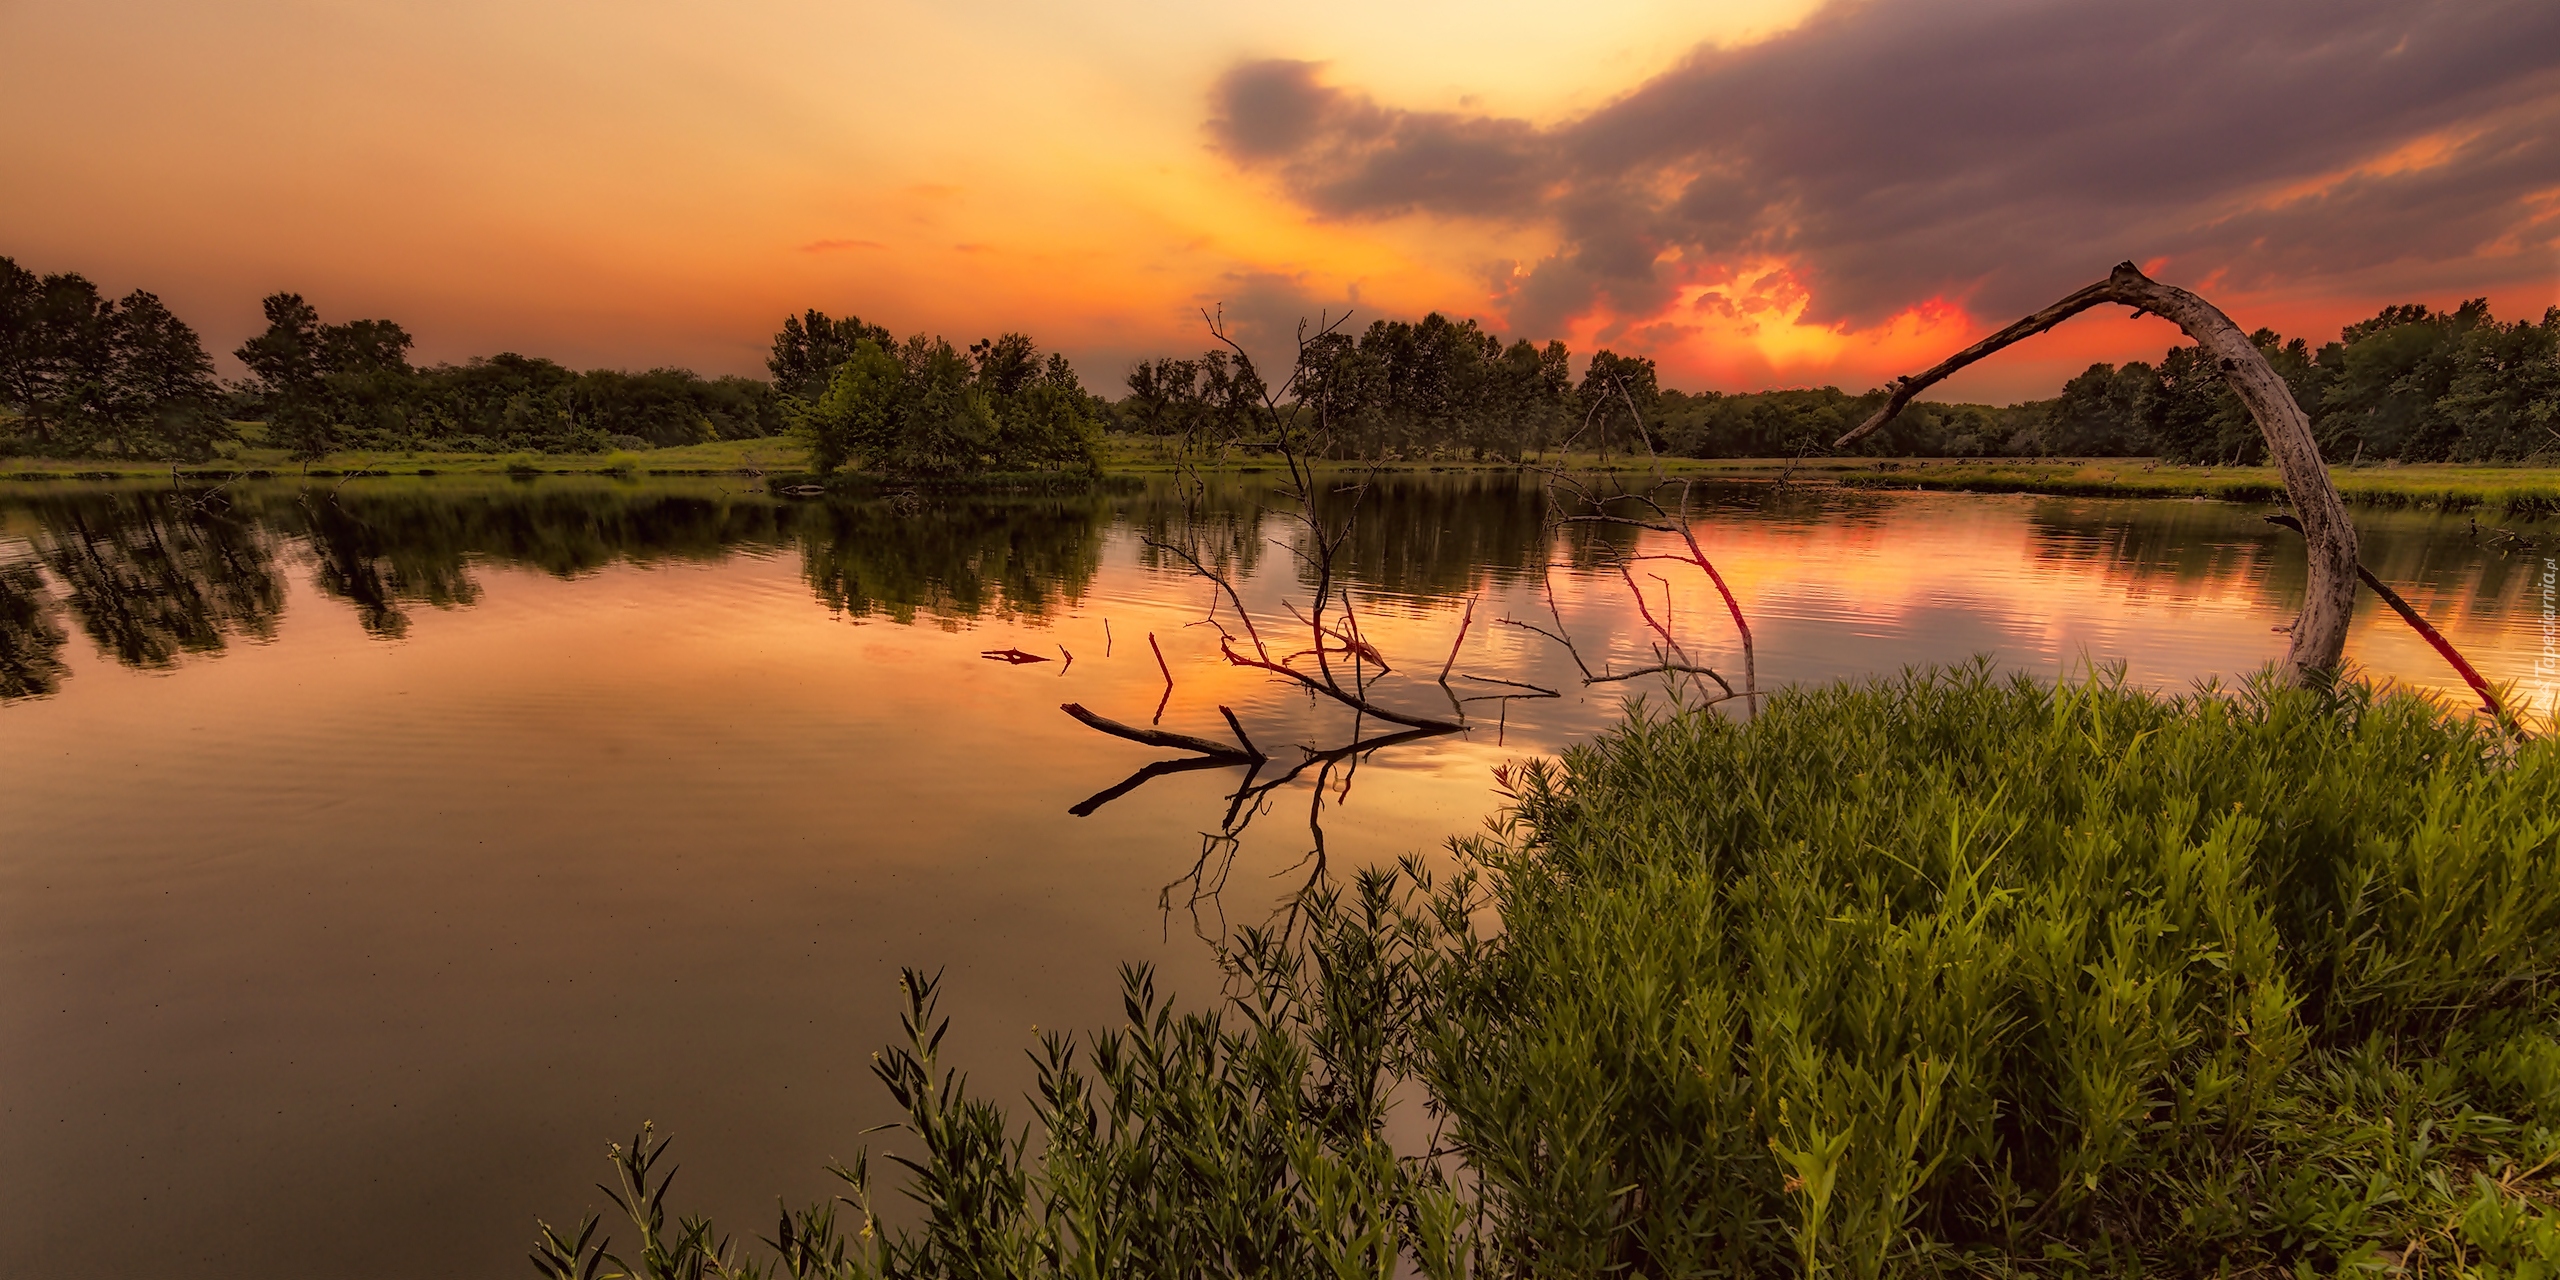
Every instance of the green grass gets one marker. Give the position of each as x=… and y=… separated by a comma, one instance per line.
x=719, y=457
x=2523, y=492
x=1947, y=974
x=2526, y=492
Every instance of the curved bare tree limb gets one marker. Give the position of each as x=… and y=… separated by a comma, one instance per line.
x=2320, y=631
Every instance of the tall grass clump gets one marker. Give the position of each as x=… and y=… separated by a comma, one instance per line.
x=1946, y=974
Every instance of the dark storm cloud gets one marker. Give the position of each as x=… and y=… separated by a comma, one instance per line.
x=2001, y=150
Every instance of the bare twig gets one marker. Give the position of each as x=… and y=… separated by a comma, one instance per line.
x=1463, y=624
x=1535, y=690
x=1238, y=726
x=1160, y=737
x=1167, y=699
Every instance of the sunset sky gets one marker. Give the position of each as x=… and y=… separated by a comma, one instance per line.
x=1756, y=194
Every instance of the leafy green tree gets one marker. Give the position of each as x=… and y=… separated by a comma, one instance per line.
x=1619, y=396
x=2504, y=399
x=2102, y=413
x=1531, y=396
x=54, y=355
x=1164, y=397
x=925, y=410
x=1006, y=365
x=159, y=397
x=284, y=361
x=855, y=420
x=2194, y=417
x=327, y=386
x=87, y=375
x=809, y=347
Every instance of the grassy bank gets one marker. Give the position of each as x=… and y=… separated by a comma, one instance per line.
x=2519, y=492
x=1946, y=974
x=2516, y=492
x=719, y=457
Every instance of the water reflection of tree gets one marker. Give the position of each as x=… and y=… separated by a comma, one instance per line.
x=953, y=558
x=559, y=528
x=153, y=575
x=1221, y=524
x=1426, y=536
x=30, y=638
x=368, y=566
x=2214, y=546
x=2150, y=545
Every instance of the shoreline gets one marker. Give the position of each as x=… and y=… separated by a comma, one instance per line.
x=2516, y=491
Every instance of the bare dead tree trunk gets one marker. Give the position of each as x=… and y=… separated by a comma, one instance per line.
x=2320, y=631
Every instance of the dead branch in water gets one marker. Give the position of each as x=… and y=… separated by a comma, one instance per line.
x=1454, y=645
x=1167, y=699
x=1218, y=751
x=2452, y=656
x=2320, y=632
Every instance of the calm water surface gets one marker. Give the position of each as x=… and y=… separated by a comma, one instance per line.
x=372, y=855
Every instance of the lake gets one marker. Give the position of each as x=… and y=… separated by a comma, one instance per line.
x=374, y=852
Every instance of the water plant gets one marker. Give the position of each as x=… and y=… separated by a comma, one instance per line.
x=1946, y=973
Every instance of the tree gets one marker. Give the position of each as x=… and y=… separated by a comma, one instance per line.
x=2102, y=413
x=325, y=385
x=809, y=347
x=88, y=375
x=285, y=360
x=1006, y=365
x=2319, y=634
x=158, y=398
x=925, y=410
x=54, y=355
x=1620, y=388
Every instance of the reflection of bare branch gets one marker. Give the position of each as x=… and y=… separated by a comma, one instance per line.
x=1086, y=807
x=1660, y=668
x=1214, y=576
x=1535, y=690
x=1679, y=526
x=1208, y=874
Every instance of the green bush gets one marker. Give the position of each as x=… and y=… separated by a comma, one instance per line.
x=1950, y=973
x=1954, y=971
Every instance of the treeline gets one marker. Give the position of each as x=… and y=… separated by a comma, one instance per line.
x=82, y=375
x=924, y=409
x=2410, y=385
x=1400, y=389
x=323, y=387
